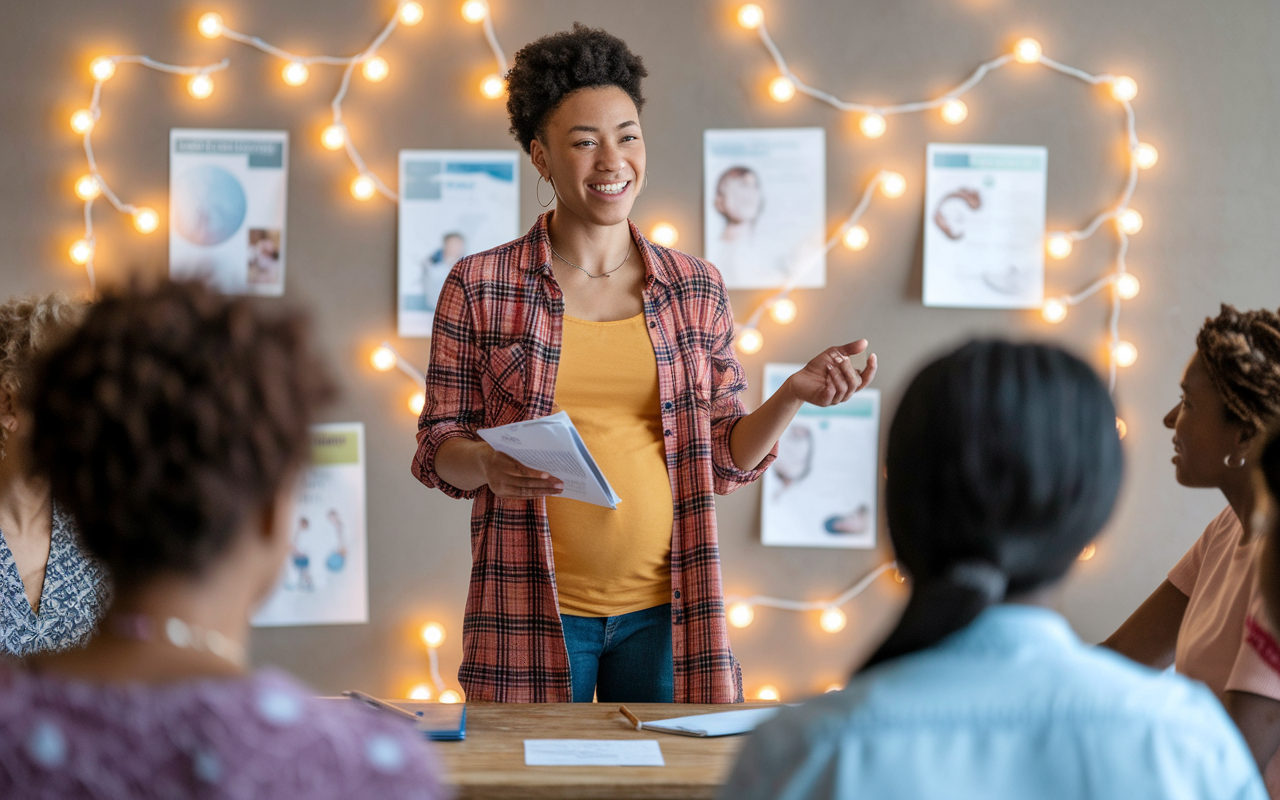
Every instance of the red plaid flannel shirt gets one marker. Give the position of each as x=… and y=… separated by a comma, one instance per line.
x=495, y=349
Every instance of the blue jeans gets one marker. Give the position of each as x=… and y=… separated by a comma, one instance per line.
x=622, y=659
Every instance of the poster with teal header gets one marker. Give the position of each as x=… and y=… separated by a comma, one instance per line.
x=227, y=193
x=324, y=580
x=453, y=203
x=822, y=489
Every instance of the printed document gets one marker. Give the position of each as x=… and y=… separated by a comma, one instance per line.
x=552, y=444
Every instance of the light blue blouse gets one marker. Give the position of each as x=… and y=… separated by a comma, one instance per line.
x=73, y=599
x=1012, y=707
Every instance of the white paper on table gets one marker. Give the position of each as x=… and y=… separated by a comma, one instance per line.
x=592, y=753
x=822, y=489
x=723, y=723
x=552, y=444
x=984, y=226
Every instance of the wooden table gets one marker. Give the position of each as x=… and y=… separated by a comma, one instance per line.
x=489, y=765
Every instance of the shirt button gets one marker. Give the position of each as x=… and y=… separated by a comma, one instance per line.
x=667, y=432
x=676, y=594
x=653, y=324
x=667, y=406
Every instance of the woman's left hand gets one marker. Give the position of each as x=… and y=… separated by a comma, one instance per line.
x=830, y=378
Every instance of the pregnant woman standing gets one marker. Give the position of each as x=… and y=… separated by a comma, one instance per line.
x=634, y=341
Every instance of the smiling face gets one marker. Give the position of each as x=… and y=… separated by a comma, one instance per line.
x=1203, y=434
x=591, y=148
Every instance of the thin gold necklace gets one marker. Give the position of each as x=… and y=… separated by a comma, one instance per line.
x=588, y=274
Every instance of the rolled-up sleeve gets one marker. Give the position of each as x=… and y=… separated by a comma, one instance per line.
x=728, y=381
x=454, y=406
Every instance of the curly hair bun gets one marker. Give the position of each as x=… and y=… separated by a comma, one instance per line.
x=1241, y=352
x=549, y=69
x=168, y=417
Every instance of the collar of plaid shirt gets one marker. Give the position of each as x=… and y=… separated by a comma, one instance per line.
x=495, y=349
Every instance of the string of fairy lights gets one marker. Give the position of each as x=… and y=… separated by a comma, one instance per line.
x=873, y=122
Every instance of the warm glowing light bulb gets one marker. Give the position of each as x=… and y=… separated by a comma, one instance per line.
x=383, y=358
x=1059, y=245
x=873, y=126
x=420, y=692
x=856, y=238
x=82, y=121
x=82, y=251
x=493, y=86
x=363, y=187
x=1090, y=550
x=450, y=696
x=475, y=10
x=1053, y=310
x=750, y=16
x=433, y=634
x=1145, y=155
x=146, y=220
x=1122, y=428
x=783, y=310
x=375, y=69
x=832, y=687
x=1124, y=88
x=200, y=86
x=782, y=89
x=411, y=13
x=416, y=402
x=665, y=234
x=210, y=25
x=741, y=615
x=833, y=620
x=750, y=341
x=954, y=111
x=1127, y=286
x=295, y=73
x=893, y=184
x=88, y=187
x=1124, y=353
x=102, y=68
x=1130, y=221
x=769, y=693
x=334, y=136
x=1027, y=51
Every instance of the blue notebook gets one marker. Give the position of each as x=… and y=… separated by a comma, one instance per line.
x=439, y=722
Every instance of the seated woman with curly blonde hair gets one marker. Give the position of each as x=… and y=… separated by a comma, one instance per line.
x=51, y=593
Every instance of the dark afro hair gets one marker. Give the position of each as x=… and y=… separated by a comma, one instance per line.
x=548, y=70
x=168, y=418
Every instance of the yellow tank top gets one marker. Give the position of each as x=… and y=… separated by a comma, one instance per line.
x=614, y=562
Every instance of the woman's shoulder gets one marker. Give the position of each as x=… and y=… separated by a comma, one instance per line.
x=506, y=262
x=681, y=267
x=261, y=735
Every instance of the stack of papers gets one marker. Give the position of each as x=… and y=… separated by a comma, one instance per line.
x=552, y=445
x=724, y=723
x=592, y=753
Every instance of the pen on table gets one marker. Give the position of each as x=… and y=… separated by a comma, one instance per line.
x=626, y=712
x=378, y=704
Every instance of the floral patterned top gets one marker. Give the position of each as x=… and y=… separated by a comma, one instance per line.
x=73, y=599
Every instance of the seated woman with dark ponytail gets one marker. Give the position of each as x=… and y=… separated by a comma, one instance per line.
x=1003, y=462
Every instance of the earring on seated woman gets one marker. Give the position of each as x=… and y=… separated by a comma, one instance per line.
x=1229, y=463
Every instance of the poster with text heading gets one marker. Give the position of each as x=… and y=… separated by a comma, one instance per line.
x=984, y=226
x=821, y=490
x=325, y=581
x=453, y=203
x=765, y=206
x=227, y=193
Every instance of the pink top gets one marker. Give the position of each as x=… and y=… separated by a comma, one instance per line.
x=1217, y=574
x=264, y=735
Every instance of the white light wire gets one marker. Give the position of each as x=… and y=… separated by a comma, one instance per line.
x=842, y=599
x=905, y=108
x=95, y=110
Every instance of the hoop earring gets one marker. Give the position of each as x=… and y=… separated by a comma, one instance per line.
x=645, y=185
x=1227, y=461
x=538, y=191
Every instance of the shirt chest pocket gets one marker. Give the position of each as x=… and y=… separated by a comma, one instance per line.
x=503, y=384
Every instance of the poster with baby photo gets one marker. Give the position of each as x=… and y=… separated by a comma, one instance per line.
x=452, y=203
x=765, y=206
x=821, y=491
x=227, y=192
x=984, y=226
x=324, y=580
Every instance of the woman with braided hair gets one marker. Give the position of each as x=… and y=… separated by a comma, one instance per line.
x=1196, y=619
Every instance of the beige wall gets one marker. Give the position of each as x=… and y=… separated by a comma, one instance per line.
x=1209, y=101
